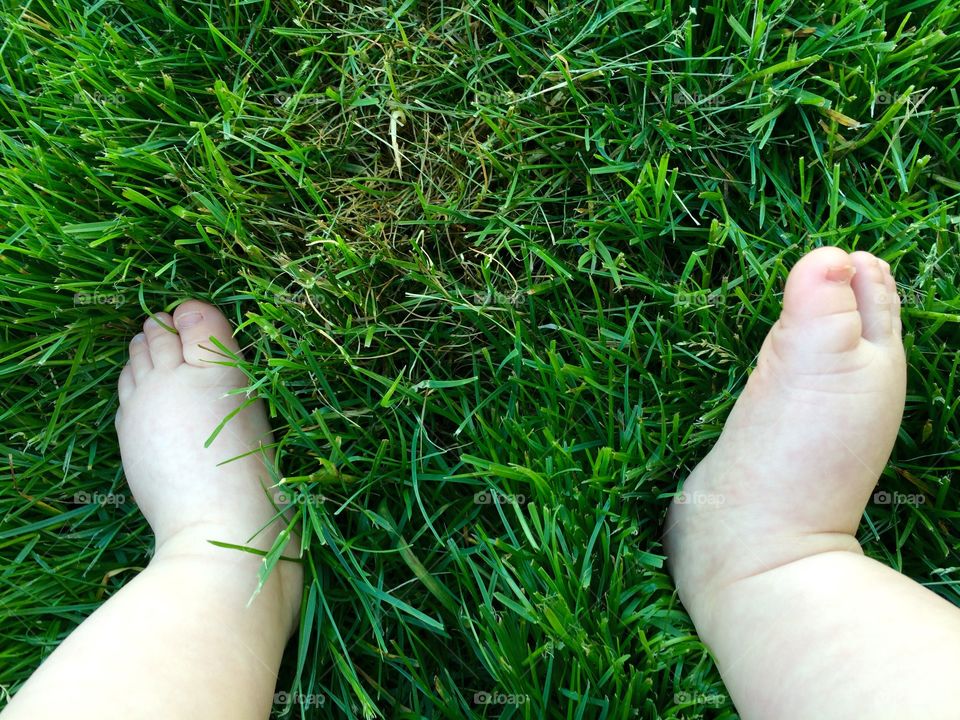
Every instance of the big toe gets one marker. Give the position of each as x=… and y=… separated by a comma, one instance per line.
x=206, y=335
x=819, y=302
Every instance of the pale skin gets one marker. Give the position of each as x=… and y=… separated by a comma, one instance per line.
x=762, y=541
x=183, y=639
x=763, y=547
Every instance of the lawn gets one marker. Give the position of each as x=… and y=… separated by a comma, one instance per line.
x=500, y=271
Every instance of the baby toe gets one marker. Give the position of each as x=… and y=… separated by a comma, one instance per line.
x=165, y=346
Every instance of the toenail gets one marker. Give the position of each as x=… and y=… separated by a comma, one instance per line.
x=188, y=320
x=840, y=273
x=139, y=337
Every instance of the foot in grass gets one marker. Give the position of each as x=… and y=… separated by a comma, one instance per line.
x=175, y=394
x=195, y=634
x=806, y=442
x=761, y=540
x=771, y=513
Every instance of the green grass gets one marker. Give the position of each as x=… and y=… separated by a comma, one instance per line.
x=472, y=247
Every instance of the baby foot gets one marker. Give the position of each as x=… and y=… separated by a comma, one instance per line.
x=806, y=441
x=174, y=395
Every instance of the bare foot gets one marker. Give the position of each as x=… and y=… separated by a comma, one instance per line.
x=808, y=438
x=195, y=634
x=761, y=541
x=174, y=395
